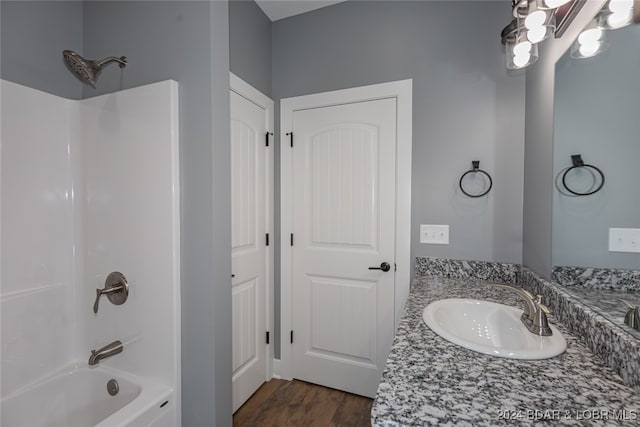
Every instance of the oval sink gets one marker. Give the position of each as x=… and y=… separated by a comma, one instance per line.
x=490, y=328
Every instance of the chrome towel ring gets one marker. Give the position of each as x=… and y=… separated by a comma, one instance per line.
x=475, y=169
x=576, y=160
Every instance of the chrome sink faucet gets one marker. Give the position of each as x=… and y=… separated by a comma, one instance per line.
x=106, y=351
x=535, y=313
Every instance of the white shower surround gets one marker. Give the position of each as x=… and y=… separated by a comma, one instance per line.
x=89, y=187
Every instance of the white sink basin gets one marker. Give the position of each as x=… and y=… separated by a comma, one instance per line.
x=490, y=328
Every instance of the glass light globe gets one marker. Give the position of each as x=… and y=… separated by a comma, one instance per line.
x=553, y=4
x=535, y=19
x=521, y=60
x=522, y=48
x=620, y=5
x=589, y=49
x=590, y=36
x=536, y=35
x=619, y=19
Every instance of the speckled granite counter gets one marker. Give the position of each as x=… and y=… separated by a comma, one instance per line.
x=608, y=303
x=430, y=381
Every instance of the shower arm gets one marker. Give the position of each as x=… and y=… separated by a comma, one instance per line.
x=122, y=61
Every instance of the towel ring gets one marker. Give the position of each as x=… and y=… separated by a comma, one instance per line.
x=577, y=161
x=476, y=169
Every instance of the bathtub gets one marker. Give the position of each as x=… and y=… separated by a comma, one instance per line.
x=78, y=397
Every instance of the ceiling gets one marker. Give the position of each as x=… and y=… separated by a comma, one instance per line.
x=279, y=9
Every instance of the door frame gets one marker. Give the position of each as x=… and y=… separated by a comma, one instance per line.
x=401, y=90
x=245, y=90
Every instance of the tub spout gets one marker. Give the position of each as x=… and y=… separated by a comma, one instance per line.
x=106, y=351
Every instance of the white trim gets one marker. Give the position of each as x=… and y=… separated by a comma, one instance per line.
x=247, y=91
x=402, y=91
x=177, y=307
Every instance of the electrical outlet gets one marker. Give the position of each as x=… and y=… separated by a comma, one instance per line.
x=624, y=240
x=434, y=234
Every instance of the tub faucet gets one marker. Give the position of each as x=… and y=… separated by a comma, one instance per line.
x=106, y=351
x=632, y=318
x=535, y=313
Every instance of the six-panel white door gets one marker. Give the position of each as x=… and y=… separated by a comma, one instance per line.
x=344, y=178
x=249, y=254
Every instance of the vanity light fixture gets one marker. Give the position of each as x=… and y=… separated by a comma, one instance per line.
x=534, y=21
x=620, y=6
x=553, y=4
x=536, y=17
x=618, y=14
x=590, y=42
x=542, y=32
x=619, y=20
x=520, y=53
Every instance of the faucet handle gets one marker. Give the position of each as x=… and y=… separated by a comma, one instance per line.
x=115, y=287
x=541, y=306
x=632, y=318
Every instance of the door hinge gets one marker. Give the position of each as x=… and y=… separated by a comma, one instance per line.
x=291, y=337
x=267, y=337
x=290, y=135
x=267, y=138
x=395, y=267
x=267, y=239
x=291, y=239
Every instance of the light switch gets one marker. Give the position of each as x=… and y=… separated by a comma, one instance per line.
x=434, y=234
x=624, y=240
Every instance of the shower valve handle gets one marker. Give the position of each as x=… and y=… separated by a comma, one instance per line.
x=115, y=288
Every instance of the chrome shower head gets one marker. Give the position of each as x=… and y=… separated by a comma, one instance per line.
x=87, y=70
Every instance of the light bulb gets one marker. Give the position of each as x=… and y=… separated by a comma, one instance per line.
x=521, y=60
x=553, y=4
x=522, y=48
x=619, y=6
x=590, y=36
x=536, y=35
x=589, y=49
x=619, y=19
x=535, y=19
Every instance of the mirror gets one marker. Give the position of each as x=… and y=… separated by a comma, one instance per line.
x=596, y=205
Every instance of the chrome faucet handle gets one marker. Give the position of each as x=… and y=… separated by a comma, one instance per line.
x=632, y=318
x=541, y=306
x=115, y=288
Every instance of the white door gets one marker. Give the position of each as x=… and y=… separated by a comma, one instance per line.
x=344, y=181
x=249, y=250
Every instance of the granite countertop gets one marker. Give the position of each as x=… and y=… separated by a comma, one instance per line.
x=430, y=381
x=609, y=303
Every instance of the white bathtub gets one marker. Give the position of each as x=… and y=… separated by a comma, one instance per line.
x=78, y=397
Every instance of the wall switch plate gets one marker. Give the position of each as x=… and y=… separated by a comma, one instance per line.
x=434, y=234
x=624, y=240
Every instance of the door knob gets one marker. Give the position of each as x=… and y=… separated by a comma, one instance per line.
x=384, y=267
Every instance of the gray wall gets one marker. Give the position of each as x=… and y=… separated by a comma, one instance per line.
x=597, y=101
x=186, y=41
x=34, y=34
x=250, y=44
x=466, y=107
x=538, y=166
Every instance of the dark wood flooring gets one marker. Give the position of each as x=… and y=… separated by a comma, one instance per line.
x=281, y=403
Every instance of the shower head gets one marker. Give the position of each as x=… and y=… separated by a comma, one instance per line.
x=87, y=70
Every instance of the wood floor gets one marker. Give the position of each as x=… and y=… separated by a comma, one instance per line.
x=281, y=403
